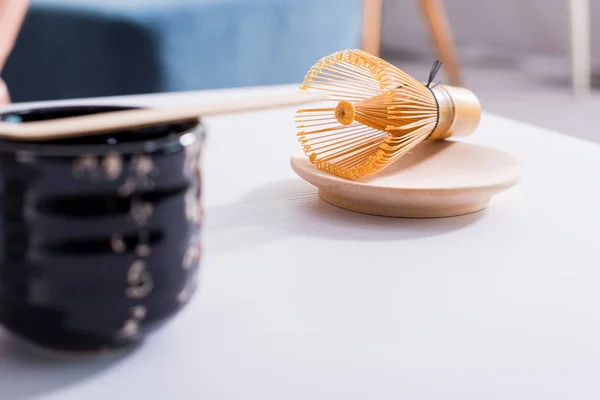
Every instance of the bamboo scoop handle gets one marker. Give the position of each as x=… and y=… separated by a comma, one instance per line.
x=118, y=120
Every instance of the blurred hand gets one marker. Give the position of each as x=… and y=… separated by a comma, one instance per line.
x=12, y=13
x=4, y=96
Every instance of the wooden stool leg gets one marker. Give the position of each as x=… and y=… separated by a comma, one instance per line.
x=580, y=46
x=372, y=27
x=441, y=33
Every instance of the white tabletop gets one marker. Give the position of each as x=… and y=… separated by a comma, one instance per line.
x=301, y=300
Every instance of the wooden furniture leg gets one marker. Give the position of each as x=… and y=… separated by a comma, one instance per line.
x=441, y=34
x=579, y=11
x=372, y=27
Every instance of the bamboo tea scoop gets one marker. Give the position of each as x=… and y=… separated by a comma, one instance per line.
x=86, y=125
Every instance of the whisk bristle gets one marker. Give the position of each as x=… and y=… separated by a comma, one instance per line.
x=378, y=113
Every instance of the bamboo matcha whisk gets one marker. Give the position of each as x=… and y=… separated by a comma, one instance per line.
x=377, y=113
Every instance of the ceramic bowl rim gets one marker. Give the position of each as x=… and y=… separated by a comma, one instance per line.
x=180, y=139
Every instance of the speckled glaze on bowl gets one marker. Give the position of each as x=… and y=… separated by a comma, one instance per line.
x=99, y=236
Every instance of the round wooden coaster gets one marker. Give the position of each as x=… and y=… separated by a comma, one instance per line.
x=437, y=179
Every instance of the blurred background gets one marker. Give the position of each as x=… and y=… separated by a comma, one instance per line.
x=531, y=60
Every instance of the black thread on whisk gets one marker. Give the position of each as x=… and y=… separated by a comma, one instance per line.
x=434, y=70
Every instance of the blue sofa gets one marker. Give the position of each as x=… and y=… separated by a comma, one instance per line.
x=74, y=48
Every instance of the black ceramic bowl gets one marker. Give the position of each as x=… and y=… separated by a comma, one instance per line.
x=99, y=236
